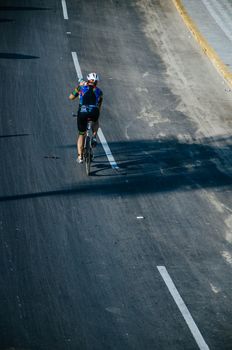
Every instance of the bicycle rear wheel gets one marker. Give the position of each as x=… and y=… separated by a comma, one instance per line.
x=88, y=157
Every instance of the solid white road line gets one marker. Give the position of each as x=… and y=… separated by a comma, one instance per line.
x=100, y=133
x=64, y=6
x=183, y=308
x=77, y=65
x=107, y=149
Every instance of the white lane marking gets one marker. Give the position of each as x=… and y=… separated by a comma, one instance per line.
x=107, y=150
x=100, y=133
x=214, y=288
x=227, y=256
x=77, y=65
x=64, y=6
x=183, y=308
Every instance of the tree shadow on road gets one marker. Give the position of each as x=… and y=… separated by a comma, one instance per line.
x=6, y=20
x=13, y=135
x=154, y=166
x=16, y=56
x=23, y=8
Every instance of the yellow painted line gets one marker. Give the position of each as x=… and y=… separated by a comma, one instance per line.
x=208, y=50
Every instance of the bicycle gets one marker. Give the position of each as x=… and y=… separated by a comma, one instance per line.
x=88, y=145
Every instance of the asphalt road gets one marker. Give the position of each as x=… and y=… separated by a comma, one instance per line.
x=78, y=269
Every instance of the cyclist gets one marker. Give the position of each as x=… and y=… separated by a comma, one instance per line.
x=91, y=98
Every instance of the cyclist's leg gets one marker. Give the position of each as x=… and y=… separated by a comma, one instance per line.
x=95, y=128
x=95, y=124
x=80, y=144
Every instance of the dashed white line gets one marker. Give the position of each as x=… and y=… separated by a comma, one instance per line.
x=183, y=308
x=100, y=133
x=64, y=6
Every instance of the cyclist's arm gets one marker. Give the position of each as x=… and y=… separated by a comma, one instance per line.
x=75, y=93
x=72, y=97
x=77, y=90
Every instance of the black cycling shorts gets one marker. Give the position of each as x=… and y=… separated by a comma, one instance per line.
x=83, y=117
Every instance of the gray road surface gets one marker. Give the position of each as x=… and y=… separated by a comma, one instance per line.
x=78, y=269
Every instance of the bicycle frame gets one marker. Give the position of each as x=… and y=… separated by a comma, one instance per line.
x=89, y=131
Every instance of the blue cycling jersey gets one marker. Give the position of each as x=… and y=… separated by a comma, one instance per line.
x=89, y=95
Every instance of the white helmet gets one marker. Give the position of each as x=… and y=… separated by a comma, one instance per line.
x=93, y=76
